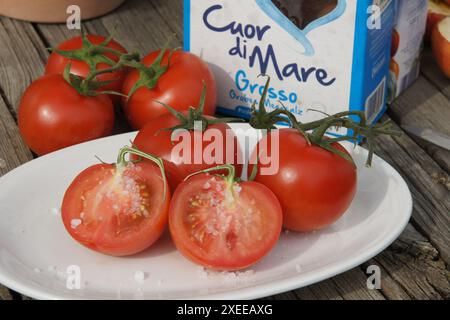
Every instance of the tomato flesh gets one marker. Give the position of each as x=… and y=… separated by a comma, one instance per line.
x=224, y=227
x=116, y=211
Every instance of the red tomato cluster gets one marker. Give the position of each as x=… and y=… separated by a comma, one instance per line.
x=56, y=112
x=215, y=219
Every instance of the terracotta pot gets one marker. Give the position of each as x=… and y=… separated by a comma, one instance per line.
x=54, y=10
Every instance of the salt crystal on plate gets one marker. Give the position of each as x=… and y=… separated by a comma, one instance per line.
x=55, y=211
x=139, y=276
x=298, y=268
x=37, y=270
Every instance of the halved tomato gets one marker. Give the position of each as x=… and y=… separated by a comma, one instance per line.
x=222, y=224
x=117, y=209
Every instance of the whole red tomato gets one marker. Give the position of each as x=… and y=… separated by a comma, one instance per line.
x=53, y=115
x=117, y=209
x=315, y=186
x=57, y=63
x=153, y=139
x=180, y=87
x=223, y=224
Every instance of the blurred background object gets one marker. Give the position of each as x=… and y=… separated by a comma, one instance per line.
x=51, y=11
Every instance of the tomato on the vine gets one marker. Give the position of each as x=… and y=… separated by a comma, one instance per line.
x=53, y=115
x=223, y=224
x=171, y=77
x=316, y=177
x=87, y=53
x=315, y=186
x=117, y=209
x=159, y=137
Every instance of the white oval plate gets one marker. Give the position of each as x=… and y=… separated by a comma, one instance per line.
x=37, y=255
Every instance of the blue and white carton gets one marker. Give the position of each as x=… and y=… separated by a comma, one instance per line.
x=327, y=55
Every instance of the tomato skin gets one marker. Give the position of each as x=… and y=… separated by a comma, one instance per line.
x=57, y=63
x=53, y=115
x=180, y=87
x=100, y=223
x=315, y=187
x=252, y=225
x=154, y=140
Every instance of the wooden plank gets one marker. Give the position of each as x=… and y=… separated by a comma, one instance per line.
x=5, y=294
x=431, y=200
x=423, y=105
x=13, y=152
x=53, y=34
x=411, y=269
x=22, y=54
x=351, y=285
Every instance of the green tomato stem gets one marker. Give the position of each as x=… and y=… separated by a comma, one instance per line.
x=230, y=178
x=122, y=162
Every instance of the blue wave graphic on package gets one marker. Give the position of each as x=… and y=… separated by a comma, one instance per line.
x=269, y=8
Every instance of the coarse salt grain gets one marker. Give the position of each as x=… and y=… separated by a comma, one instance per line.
x=37, y=270
x=74, y=223
x=55, y=211
x=207, y=185
x=298, y=268
x=139, y=276
x=229, y=276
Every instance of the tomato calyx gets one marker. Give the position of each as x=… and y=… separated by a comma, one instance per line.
x=314, y=132
x=195, y=119
x=149, y=76
x=357, y=129
x=91, y=54
x=89, y=86
x=122, y=163
x=261, y=119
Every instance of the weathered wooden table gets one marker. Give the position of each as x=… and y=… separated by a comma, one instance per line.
x=416, y=266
